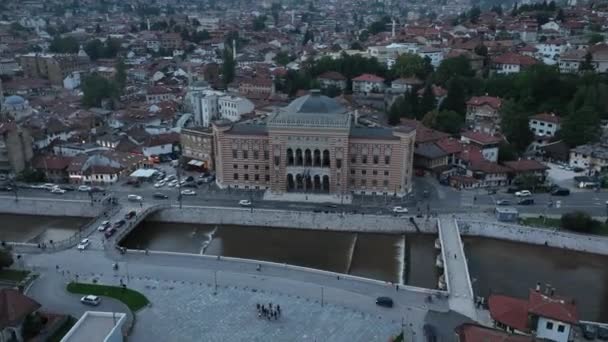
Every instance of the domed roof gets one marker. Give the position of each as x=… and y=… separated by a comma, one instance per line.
x=315, y=103
x=14, y=100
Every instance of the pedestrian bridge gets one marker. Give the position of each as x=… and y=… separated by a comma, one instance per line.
x=456, y=270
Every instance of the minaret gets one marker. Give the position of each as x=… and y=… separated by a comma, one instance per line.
x=293, y=17
x=234, y=49
x=393, y=35
x=148, y=21
x=1, y=95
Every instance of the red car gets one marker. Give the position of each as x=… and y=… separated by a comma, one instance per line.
x=109, y=232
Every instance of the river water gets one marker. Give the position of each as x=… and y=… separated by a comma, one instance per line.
x=35, y=229
x=377, y=256
x=513, y=268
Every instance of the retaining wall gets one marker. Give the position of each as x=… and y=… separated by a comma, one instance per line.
x=536, y=236
x=48, y=206
x=294, y=219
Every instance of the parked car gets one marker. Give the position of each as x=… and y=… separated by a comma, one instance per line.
x=503, y=202
x=103, y=226
x=160, y=184
x=160, y=196
x=90, y=300
x=188, y=192
x=48, y=186
x=387, y=302
x=97, y=189
x=602, y=333
x=578, y=169
x=560, y=192
x=523, y=193
x=135, y=198
x=190, y=185
x=119, y=223
x=84, y=243
x=429, y=333
x=526, y=201
x=512, y=189
x=6, y=188
x=245, y=203
x=58, y=191
x=131, y=214
x=109, y=232
x=399, y=210
x=189, y=179
x=84, y=188
x=589, y=331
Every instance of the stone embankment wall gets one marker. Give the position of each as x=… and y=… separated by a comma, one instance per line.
x=296, y=219
x=537, y=236
x=48, y=207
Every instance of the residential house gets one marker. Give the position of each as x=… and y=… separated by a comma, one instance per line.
x=488, y=144
x=258, y=87
x=453, y=148
x=170, y=41
x=54, y=67
x=55, y=168
x=544, y=315
x=105, y=167
x=544, y=126
x=233, y=107
x=550, y=50
x=197, y=147
x=15, y=148
x=15, y=307
x=429, y=156
x=156, y=94
x=160, y=144
x=332, y=79
x=73, y=149
x=434, y=54
x=403, y=85
x=368, y=83
x=511, y=63
x=570, y=61
x=593, y=157
x=483, y=114
x=488, y=174
x=527, y=167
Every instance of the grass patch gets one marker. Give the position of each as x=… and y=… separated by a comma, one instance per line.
x=60, y=333
x=13, y=275
x=133, y=299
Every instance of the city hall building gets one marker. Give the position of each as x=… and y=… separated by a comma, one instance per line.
x=313, y=146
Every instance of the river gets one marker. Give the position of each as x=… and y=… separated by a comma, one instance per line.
x=35, y=229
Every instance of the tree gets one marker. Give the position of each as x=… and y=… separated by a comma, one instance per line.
x=380, y=25
x=428, y=102
x=474, y=14
x=308, y=37
x=95, y=88
x=515, y=125
x=587, y=63
x=459, y=66
x=282, y=58
x=64, y=45
x=529, y=181
x=31, y=176
x=259, y=23
x=445, y=121
x=6, y=258
x=506, y=152
x=580, y=127
x=595, y=38
x=228, y=67
x=456, y=98
x=121, y=75
x=394, y=113
x=579, y=221
x=274, y=9
x=409, y=65
x=97, y=29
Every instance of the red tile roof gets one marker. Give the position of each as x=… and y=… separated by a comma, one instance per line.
x=423, y=133
x=471, y=154
x=14, y=307
x=469, y=332
x=512, y=312
x=515, y=59
x=488, y=167
x=368, y=78
x=554, y=307
x=494, y=102
x=546, y=117
x=525, y=165
x=481, y=138
x=51, y=162
x=450, y=145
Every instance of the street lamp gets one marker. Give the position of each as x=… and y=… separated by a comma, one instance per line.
x=179, y=181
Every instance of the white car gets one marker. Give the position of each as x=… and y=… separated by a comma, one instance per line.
x=160, y=184
x=245, y=203
x=57, y=190
x=173, y=183
x=400, y=210
x=84, y=188
x=523, y=193
x=48, y=186
x=135, y=198
x=188, y=192
x=84, y=243
x=103, y=226
x=90, y=300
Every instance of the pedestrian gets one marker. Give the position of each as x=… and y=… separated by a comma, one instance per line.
x=270, y=306
x=279, y=309
x=397, y=287
x=455, y=256
x=257, y=305
x=57, y=267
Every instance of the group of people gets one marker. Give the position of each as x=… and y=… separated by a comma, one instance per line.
x=269, y=312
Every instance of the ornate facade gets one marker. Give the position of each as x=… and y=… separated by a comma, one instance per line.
x=314, y=145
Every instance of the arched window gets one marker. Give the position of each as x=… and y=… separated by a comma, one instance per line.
x=289, y=157
x=326, y=158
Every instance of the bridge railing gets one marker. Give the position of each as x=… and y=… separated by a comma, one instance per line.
x=84, y=230
x=138, y=219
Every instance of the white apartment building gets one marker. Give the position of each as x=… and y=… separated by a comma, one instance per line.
x=233, y=107
x=544, y=124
